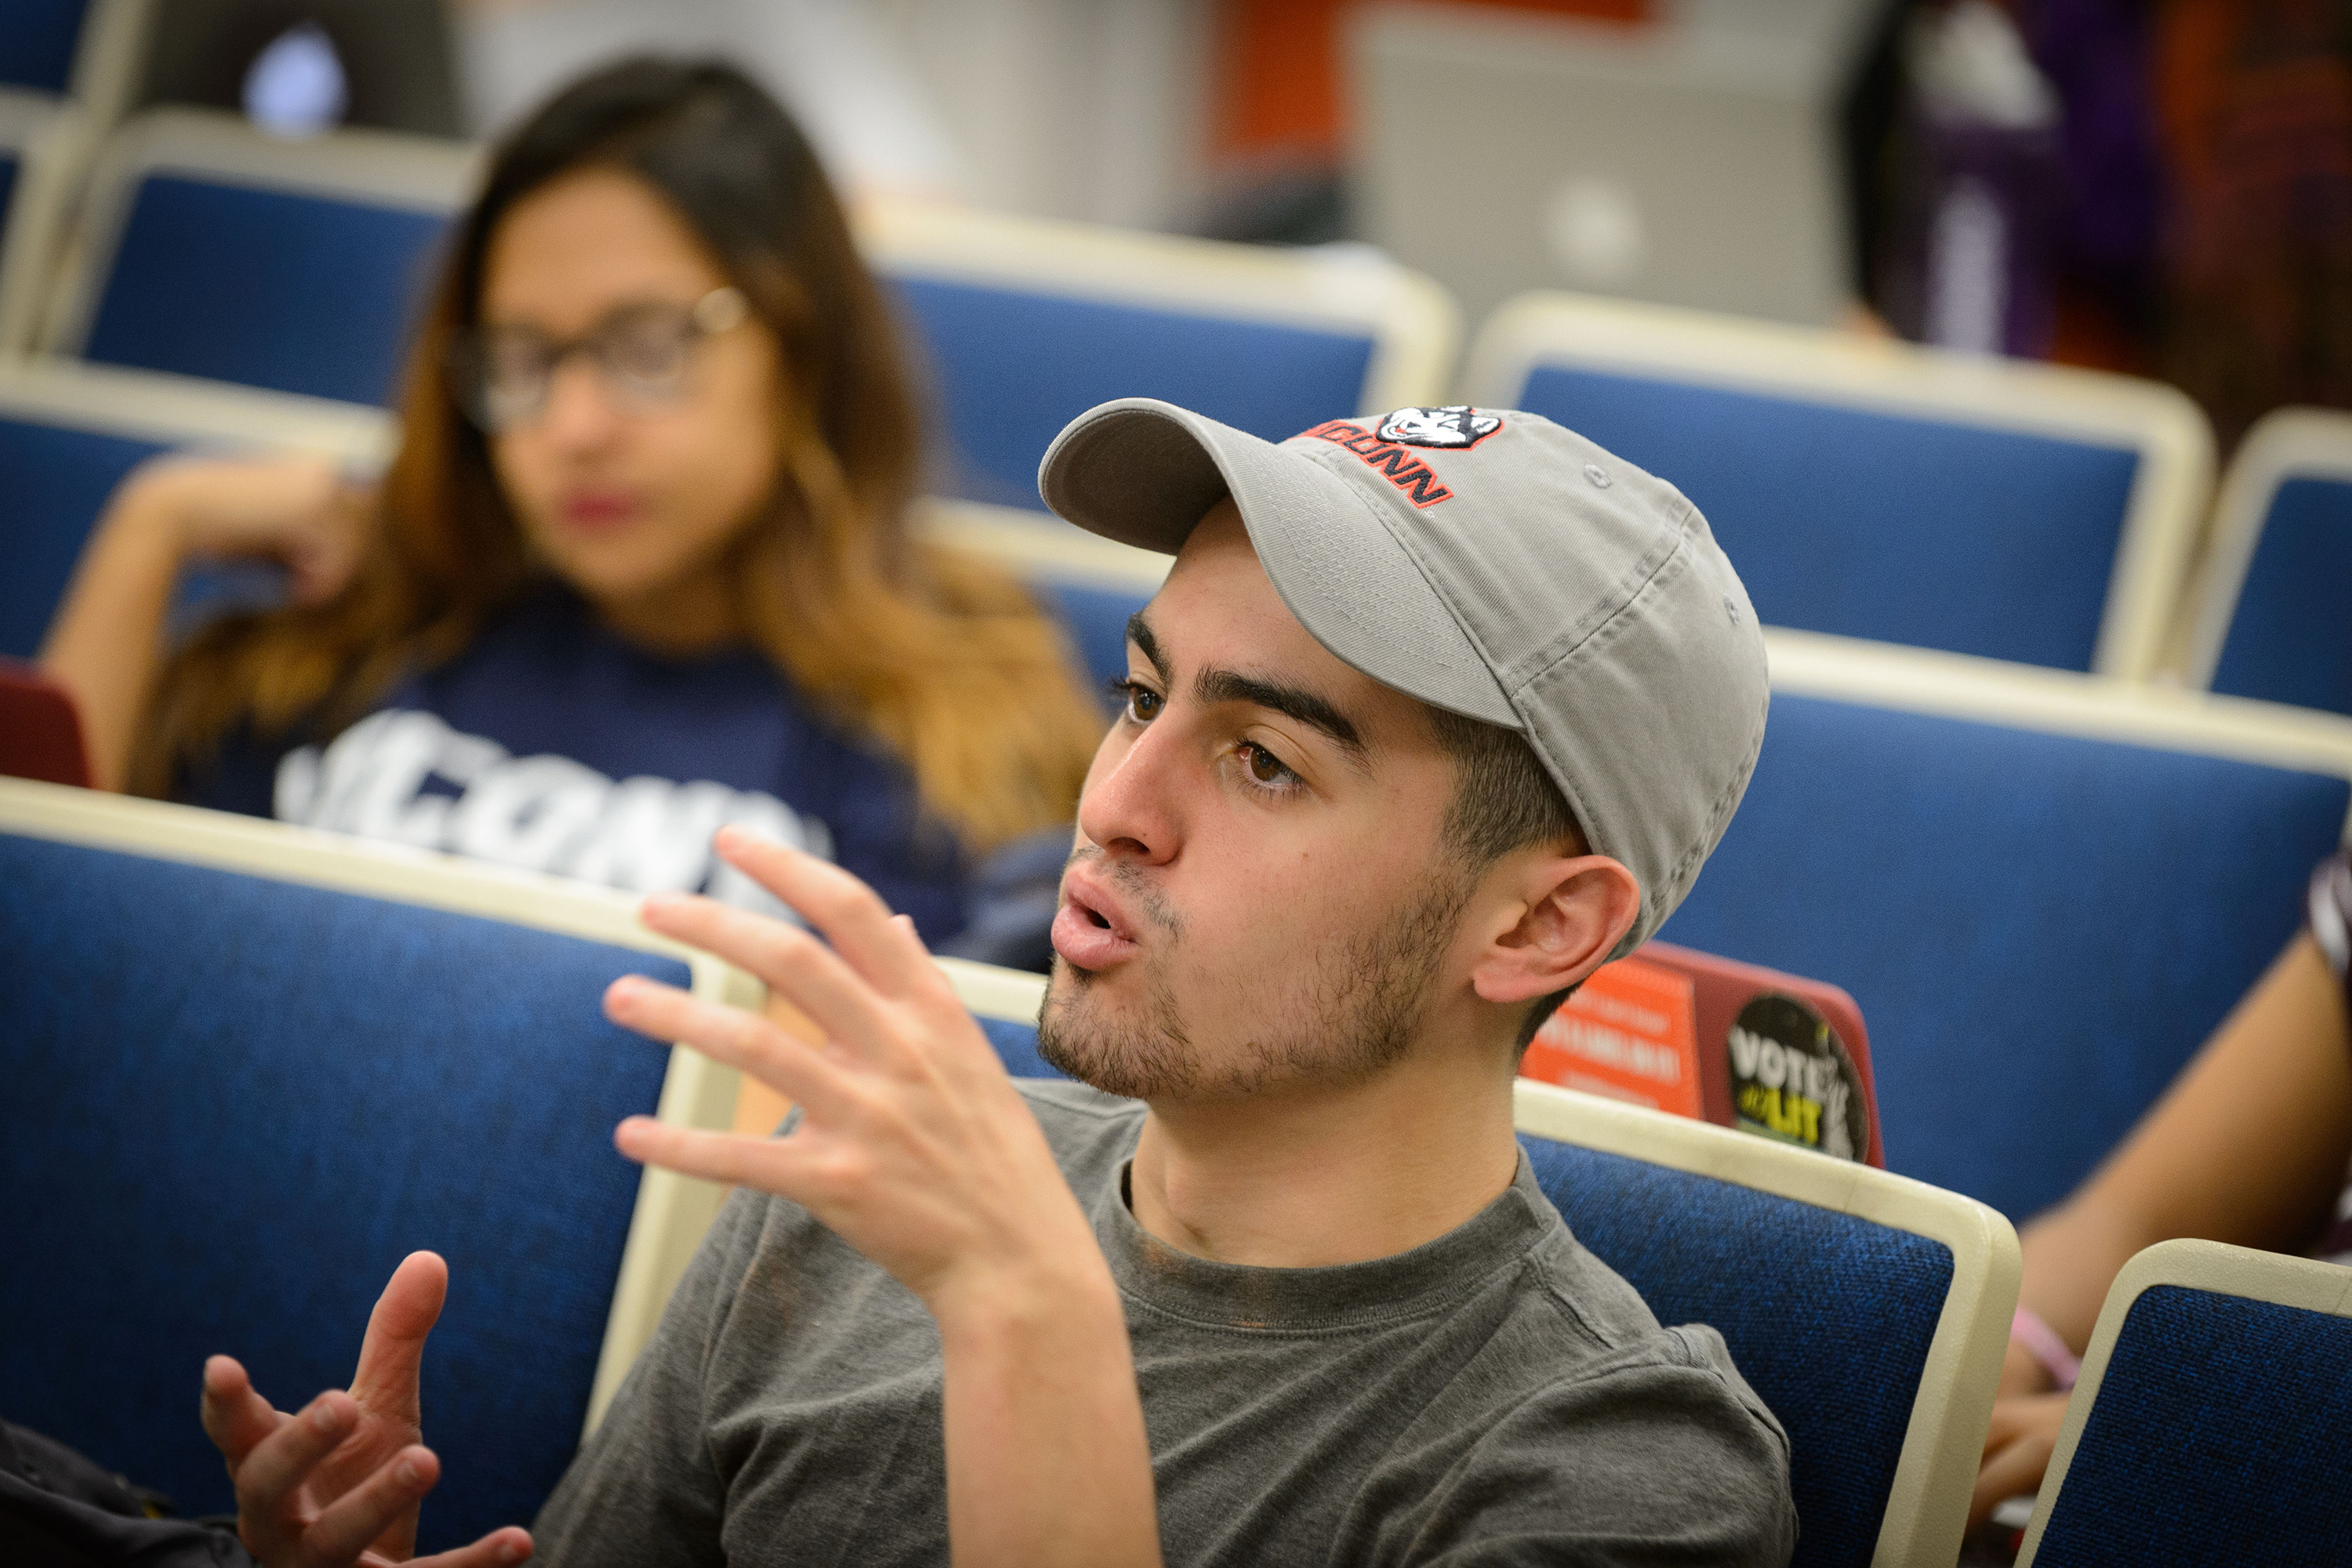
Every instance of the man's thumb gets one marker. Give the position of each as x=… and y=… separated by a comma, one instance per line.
x=394, y=1350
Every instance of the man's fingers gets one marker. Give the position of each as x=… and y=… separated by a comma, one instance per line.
x=235, y=1417
x=766, y=1164
x=343, y=1530
x=370, y=1508
x=731, y=1035
x=796, y=965
x=394, y=1350
x=852, y=916
x=498, y=1549
x=281, y=1461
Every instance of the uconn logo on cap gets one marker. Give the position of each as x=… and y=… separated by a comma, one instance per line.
x=1384, y=448
x=1457, y=425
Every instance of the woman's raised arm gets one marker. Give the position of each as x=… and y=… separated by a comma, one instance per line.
x=106, y=643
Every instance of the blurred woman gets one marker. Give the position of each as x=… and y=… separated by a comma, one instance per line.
x=2248, y=1146
x=642, y=565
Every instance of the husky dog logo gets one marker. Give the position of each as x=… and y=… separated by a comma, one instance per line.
x=1458, y=426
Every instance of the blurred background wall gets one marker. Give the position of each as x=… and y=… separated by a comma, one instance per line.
x=2162, y=187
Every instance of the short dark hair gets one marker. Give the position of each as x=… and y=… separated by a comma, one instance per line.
x=1503, y=800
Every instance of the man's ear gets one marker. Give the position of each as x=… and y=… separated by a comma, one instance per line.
x=1573, y=910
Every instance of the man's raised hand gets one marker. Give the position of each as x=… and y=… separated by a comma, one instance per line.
x=914, y=1148
x=340, y=1480
x=913, y=1145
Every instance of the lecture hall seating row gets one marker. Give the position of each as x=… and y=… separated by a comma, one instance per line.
x=1868, y=1310
x=1871, y=490
x=2008, y=812
x=2019, y=1022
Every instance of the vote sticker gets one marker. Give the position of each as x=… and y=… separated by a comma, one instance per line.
x=1793, y=1080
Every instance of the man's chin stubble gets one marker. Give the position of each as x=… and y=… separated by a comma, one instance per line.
x=1138, y=1061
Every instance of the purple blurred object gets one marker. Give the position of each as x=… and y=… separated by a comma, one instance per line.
x=1973, y=254
x=1986, y=248
x=2095, y=54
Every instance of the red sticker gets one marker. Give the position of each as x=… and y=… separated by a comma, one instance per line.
x=1630, y=1032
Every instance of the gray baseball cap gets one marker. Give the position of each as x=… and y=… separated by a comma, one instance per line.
x=1488, y=562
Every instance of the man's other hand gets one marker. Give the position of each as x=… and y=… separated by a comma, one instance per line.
x=340, y=1480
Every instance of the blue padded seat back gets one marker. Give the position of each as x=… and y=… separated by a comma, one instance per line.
x=11, y=162
x=289, y=291
x=36, y=42
x=2216, y=1437
x=58, y=480
x=2290, y=638
x=1011, y=367
x=2040, y=928
x=233, y=1105
x=1095, y=619
x=1897, y=527
x=1827, y=1317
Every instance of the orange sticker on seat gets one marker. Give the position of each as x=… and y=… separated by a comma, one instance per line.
x=1630, y=1032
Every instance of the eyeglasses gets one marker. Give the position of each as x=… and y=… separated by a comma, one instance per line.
x=500, y=375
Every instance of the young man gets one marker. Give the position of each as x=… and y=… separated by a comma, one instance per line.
x=1431, y=718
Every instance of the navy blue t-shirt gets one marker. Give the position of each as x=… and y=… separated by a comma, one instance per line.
x=553, y=744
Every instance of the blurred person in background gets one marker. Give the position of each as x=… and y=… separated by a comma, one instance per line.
x=642, y=565
x=2248, y=1146
x=2159, y=189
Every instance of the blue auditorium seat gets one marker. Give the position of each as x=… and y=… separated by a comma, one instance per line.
x=2007, y=511
x=240, y=1093
x=1012, y=367
x=2270, y=622
x=69, y=434
x=37, y=40
x=1091, y=585
x=58, y=479
x=1021, y=326
x=1829, y=1317
x=293, y=266
x=2044, y=891
x=2205, y=1427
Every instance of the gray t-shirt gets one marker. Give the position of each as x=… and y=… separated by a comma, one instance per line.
x=1497, y=1395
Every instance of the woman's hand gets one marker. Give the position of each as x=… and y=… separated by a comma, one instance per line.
x=106, y=642
x=297, y=511
x=2016, y=1450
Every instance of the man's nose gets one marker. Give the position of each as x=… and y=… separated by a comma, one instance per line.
x=1132, y=803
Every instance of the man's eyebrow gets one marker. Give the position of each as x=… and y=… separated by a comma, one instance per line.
x=1214, y=686
x=1139, y=632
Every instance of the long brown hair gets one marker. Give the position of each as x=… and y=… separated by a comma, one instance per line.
x=945, y=660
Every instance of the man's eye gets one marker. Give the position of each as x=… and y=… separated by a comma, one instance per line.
x=1262, y=764
x=1142, y=702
